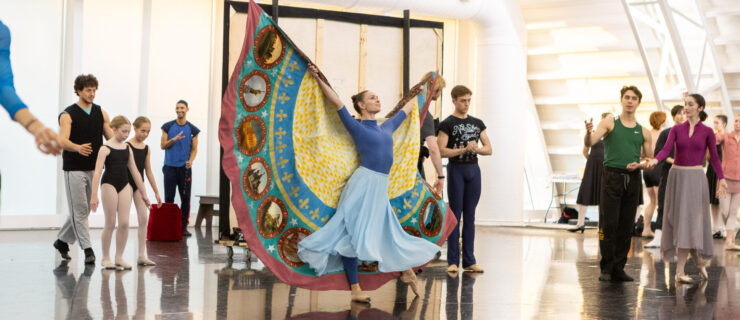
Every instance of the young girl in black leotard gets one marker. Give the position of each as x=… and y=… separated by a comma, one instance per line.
x=118, y=160
x=142, y=126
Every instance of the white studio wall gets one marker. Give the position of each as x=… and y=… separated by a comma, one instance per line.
x=146, y=55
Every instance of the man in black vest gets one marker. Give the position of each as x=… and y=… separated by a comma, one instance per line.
x=81, y=130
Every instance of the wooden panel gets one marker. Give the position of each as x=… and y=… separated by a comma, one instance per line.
x=385, y=62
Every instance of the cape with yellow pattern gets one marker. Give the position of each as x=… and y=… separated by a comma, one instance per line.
x=288, y=156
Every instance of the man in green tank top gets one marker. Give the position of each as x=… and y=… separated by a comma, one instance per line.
x=624, y=139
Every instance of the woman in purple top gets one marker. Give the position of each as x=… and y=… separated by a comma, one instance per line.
x=687, y=227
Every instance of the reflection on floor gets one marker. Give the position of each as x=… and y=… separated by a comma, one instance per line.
x=530, y=273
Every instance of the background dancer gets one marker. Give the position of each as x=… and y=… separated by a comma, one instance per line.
x=364, y=210
x=588, y=192
x=116, y=191
x=720, y=125
x=429, y=137
x=140, y=151
x=620, y=188
x=458, y=140
x=652, y=177
x=686, y=221
x=179, y=154
x=679, y=116
x=81, y=130
x=730, y=203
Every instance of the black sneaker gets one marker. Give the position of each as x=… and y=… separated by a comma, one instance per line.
x=621, y=276
x=605, y=277
x=718, y=235
x=89, y=256
x=186, y=233
x=63, y=249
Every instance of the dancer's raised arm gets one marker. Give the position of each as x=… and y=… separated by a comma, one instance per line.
x=325, y=88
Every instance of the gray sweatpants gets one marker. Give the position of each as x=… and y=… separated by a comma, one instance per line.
x=79, y=192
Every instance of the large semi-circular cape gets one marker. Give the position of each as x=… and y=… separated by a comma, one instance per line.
x=288, y=156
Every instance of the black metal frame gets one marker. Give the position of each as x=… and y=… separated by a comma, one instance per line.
x=294, y=12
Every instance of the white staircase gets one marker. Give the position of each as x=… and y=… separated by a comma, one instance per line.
x=580, y=54
x=723, y=22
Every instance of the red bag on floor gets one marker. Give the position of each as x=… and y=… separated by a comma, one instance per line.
x=165, y=223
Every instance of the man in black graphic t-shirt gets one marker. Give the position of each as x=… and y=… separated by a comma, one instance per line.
x=458, y=139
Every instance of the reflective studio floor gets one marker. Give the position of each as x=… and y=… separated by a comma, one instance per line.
x=530, y=273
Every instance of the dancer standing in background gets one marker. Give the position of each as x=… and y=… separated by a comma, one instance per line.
x=730, y=203
x=140, y=151
x=720, y=125
x=652, y=177
x=180, y=145
x=686, y=221
x=588, y=193
x=679, y=116
x=429, y=137
x=81, y=130
x=624, y=138
x=115, y=189
x=458, y=140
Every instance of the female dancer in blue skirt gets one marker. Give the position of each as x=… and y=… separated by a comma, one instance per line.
x=364, y=226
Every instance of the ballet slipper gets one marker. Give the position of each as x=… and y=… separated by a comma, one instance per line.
x=357, y=307
x=682, y=278
x=452, y=268
x=703, y=273
x=107, y=264
x=731, y=246
x=474, y=268
x=357, y=295
x=144, y=261
x=122, y=264
x=409, y=277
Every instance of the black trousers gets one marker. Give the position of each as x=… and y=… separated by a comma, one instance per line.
x=180, y=178
x=618, y=202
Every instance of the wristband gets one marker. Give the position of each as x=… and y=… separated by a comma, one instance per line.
x=440, y=177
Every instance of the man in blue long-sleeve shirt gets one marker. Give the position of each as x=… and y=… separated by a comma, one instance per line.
x=46, y=140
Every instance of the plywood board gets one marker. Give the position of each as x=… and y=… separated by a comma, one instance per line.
x=385, y=65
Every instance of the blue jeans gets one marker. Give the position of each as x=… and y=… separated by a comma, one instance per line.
x=180, y=178
x=463, y=191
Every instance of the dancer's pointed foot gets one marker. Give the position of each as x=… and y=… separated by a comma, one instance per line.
x=358, y=295
x=120, y=264
x=702, y=266
x=144, y=261
x=357, y=307
x=409, y=277
x=473, y=268
x=656, y=240
x=682, y=278
x=107, y=264
x=648, y=233
x=452, y=268
x=730, y=246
